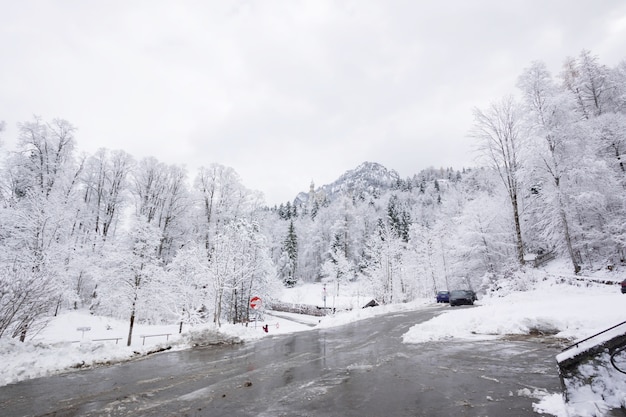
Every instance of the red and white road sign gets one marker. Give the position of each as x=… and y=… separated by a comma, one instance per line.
x=255, y=303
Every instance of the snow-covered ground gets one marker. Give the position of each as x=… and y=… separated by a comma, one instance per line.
x=563, y=310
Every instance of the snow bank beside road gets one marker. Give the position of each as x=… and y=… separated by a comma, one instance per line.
x=564, y=311
x=561, y=310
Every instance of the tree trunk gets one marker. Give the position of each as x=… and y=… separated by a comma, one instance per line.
x=58, y=305
x=619, y=157
x=130, y=328
x=218, y=308
x=518, y=229
x=23, y=333
x=568, y=241
x=445, y=266
x=565, y=224
x=235, y=315
x=132, y=322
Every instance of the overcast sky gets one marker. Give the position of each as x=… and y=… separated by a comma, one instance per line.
x=290, y=91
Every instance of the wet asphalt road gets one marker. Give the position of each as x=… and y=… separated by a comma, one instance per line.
x=361, y=369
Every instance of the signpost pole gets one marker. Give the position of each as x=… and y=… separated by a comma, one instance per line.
x=83, y=330
x=255, y=304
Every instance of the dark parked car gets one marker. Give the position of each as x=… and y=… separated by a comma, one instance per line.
x=443, y=297
x=461, y=297
x=624, y=287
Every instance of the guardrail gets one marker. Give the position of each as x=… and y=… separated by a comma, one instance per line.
x=579, y=342
x=308, y=309
x=117, y=339
x=167, y=337
x=543, y=258
x=610, y=340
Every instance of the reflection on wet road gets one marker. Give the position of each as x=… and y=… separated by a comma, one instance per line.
x=361, y=369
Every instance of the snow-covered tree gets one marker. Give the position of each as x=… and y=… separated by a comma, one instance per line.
x=162, y=197
x=131, y=274
x=25, y=300
x=386, y=273
x=191, y=291
x=588, y=82
x=552, y=117
x=501, y=134
x=105, y=180
x=238, y=266
x=41, y=188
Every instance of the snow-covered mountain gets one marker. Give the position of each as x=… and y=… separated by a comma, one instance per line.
x=369, y=178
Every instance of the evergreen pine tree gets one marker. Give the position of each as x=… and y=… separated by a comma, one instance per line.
x=314, y=209
x=290, y=248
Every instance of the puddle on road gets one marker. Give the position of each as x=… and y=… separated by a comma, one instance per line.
x=546, y=340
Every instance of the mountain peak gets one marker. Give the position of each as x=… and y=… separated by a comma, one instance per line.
x=370, y=169
x=368, y=178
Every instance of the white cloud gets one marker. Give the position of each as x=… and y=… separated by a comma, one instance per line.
x=282, y=91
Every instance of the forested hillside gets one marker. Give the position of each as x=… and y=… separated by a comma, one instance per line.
x=143, y=240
